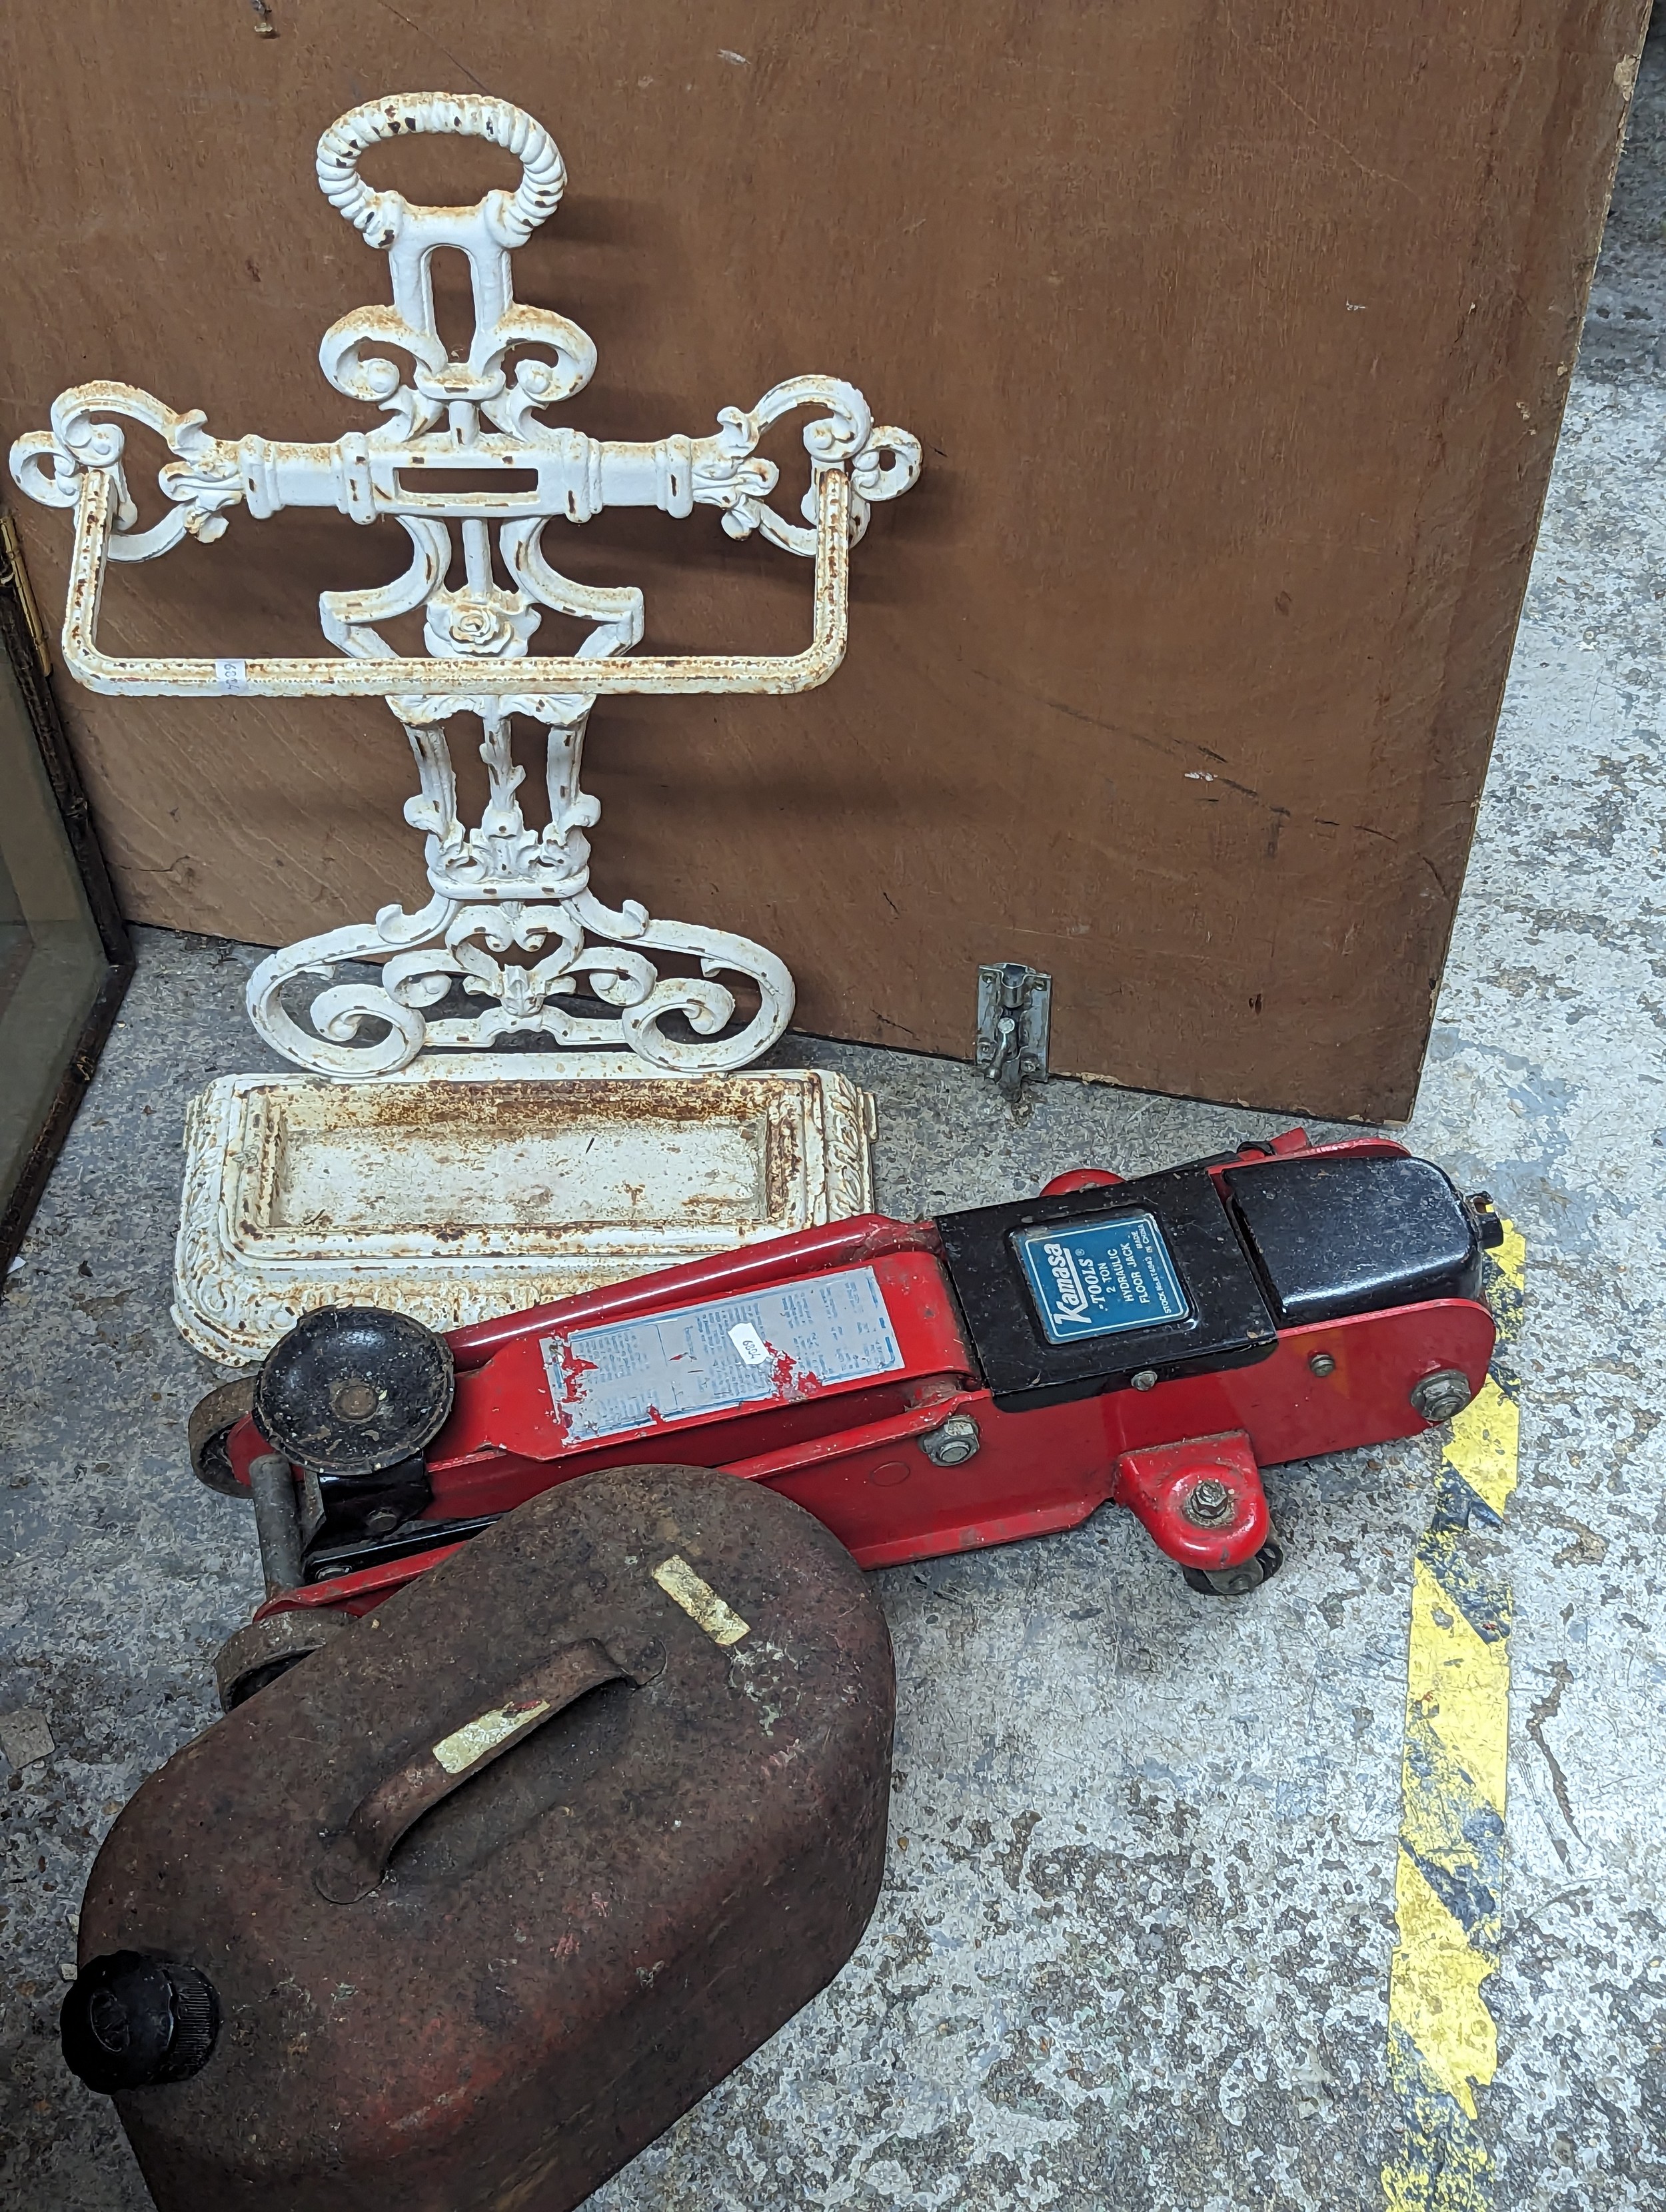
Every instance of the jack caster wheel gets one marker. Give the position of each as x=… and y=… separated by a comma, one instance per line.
x=1239, y=1581
x=212, y=1420
x=247, y=1661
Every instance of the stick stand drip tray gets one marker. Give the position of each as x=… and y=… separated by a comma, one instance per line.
x=454, y=1196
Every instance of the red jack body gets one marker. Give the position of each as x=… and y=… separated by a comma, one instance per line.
x=928, y=1388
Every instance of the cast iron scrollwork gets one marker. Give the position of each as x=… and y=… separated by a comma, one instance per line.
x=512, y=918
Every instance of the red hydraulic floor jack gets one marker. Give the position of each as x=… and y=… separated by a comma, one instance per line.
x=922, y=1388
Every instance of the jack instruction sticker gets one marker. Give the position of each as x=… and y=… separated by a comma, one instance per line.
x=776, y=1344
x=1100, y=1278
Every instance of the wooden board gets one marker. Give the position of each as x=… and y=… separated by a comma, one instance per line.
x=1237, y=339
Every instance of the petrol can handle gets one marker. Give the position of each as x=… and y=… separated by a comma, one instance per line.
x=356, y=1857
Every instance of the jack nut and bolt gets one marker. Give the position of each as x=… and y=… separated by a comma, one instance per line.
x=1209, y=1504
x=1322, y=1363
x=1144, y=1380
x=1441, y=1396
x=954, y=1443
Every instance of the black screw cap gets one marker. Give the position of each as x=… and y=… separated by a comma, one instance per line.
x=131, y=2021
x=1489, y=1229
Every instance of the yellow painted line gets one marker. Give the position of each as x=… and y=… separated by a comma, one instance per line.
x=1457, y=1688
x=1437, y=1990
x=1443, y=2047
x=1484, y=1446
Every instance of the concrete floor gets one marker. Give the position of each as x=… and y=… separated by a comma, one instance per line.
x=1133, y=1947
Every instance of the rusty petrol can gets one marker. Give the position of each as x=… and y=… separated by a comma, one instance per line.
x=465, y=1909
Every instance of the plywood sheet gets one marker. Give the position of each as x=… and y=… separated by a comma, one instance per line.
x=1238, y=339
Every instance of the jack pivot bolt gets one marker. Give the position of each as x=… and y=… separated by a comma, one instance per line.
x=1210, y=1504
x=1441, y=1396
x=954, y=1443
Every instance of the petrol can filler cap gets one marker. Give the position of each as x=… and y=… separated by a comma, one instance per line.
x=133, y=2021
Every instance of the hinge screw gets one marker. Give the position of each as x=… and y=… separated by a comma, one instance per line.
x=1442, y=1396
x=954, y=1443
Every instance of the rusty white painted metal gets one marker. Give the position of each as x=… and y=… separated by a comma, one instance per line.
x=459, y=1181
x=512, y=918
x=453, y=1196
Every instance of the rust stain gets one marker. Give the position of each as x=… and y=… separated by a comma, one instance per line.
x=455, y=1199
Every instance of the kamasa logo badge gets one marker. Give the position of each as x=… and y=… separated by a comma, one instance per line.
x=1099, y=1277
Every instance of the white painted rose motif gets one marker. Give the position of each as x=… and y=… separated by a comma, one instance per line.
x=479, y=626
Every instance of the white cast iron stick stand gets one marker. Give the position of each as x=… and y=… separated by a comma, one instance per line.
x=501, y=887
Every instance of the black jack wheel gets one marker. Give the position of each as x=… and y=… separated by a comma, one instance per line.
x=1240, y=1581
x=212, y=1420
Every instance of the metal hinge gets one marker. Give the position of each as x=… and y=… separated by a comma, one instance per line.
x=1014, y=1009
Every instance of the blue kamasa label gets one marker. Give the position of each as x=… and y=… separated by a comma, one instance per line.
x=1103, y=1277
